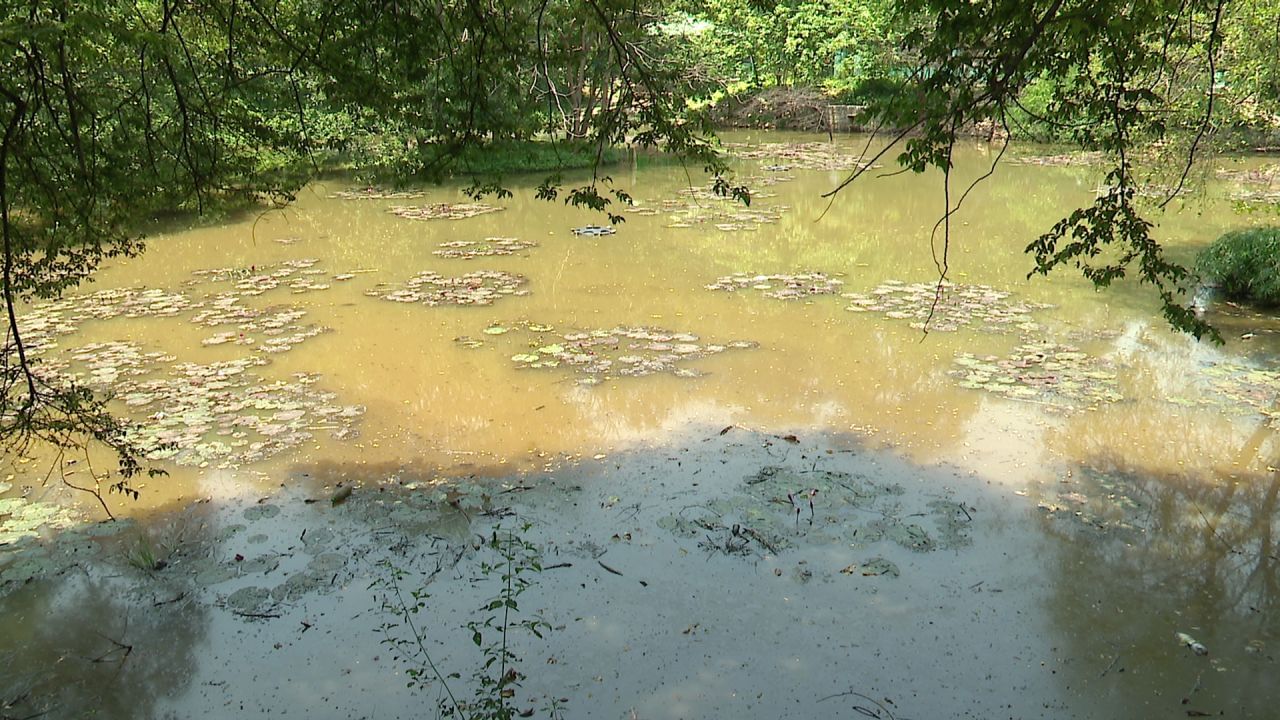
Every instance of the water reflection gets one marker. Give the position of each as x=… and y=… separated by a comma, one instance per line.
x=86, y=643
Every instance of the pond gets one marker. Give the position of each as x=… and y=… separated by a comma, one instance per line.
x=776, y=477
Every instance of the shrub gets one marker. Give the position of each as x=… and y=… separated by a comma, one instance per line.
x=1246, y=263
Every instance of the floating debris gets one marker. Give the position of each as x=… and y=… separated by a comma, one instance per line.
x=468, y=249
x=1060, y=376
x=432, y=288
x=780, y=287
x=957, y=306
x=442, y=211
x=373, y=193
x=1188, y=641
x=598, y=355
x=594, y=230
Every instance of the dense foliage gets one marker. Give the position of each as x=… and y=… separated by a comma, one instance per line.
x=1246, y=264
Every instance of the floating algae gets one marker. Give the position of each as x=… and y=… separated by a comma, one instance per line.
x=947, y=307
x=474, y=288
x=468, y=249
x=596, y=355
x=1093, y=501
x=442, y=211
x=1056, y=375
x=780, y=287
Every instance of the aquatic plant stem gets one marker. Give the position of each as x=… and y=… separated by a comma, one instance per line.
x=422, y=648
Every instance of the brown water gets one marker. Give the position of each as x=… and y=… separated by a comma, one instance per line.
x=432, y=402
x=1196, y=457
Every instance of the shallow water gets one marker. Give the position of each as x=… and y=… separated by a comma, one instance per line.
x=1120, y=476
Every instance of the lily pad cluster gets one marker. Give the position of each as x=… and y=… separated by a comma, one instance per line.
x=44, y=322
x=1253, y=195
x=474, y=288
x=1236, y=386
x=1070, y=159
x=782, y=157
x=778, y=508
x=1094, y=501
x=105, y=364
x=1050, y=373
x=1265, y=175
x=701, y=206
x=952, y=306
x=780, y=286
x=224, y=415
x=597, y=355
x=373, y=193
x=442, y=211
x=22, y=518
x=200, y=414
x=468, y=249
x=273, y=330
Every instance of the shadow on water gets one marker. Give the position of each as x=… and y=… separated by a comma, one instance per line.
x=681, y=581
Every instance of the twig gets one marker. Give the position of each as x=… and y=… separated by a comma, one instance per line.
x=606, y=567
x=865, y=711
x=1106, y=670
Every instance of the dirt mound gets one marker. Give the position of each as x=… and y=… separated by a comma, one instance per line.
x=775, y=108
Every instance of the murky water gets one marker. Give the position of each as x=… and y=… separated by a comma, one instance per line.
x=1138, y=463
